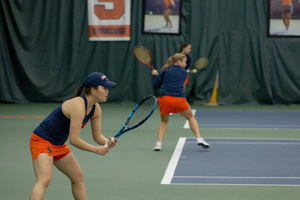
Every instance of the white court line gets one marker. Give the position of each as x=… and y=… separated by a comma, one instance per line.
x=230, y=177
x=240, y=138
x=186, y=125
x=264, y=143
x=244, y=126
x=173, y=162
x=251, y=126
x=255, y=185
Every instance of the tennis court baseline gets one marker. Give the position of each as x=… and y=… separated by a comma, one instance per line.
x=262, y=119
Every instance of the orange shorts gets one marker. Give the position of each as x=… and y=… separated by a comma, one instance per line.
x=170, y=104
x=39, y=145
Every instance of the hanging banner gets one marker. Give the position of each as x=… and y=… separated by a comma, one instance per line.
x=109, y=20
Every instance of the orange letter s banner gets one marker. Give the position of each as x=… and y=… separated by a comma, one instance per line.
x=115, y=13
x=109, y=20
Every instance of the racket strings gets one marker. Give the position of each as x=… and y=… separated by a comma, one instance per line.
x=201, y=63
x=143, y=112
x=143, y=55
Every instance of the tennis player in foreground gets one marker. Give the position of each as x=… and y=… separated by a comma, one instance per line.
x=47, y=142
x=172, y=98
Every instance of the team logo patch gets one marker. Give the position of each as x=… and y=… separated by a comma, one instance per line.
x=49, y=149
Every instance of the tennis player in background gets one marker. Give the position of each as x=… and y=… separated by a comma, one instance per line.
x=170, y=5
x=172, y=98
x=287, y=11
x=185, y=49
x=47, y=142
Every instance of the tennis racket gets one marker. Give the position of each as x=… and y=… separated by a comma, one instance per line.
x=201, y=63
x=138, y=115
x=143, y=55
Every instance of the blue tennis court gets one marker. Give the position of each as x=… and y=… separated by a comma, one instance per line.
x=235, y=162
x=275, y=119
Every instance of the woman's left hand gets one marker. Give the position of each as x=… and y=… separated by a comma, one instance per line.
x=112, y=142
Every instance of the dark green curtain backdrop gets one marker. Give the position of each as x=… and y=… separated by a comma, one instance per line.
x=45, y=53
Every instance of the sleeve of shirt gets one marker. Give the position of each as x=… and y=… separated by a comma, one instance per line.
x=157, y=81
x=188, y=62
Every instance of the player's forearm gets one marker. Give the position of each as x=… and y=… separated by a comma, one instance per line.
x=80, y=144
x=100, y=139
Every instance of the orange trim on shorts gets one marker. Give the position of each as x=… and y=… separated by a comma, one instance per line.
x=39, y=145
x=186, y=80
x=169, y=2
x=286, y=2
x=169, y=104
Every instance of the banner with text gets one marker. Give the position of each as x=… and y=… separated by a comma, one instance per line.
x=109, y=20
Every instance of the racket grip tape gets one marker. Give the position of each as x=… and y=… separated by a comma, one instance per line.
x=106, y=144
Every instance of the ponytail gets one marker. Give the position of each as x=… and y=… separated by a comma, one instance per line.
x=79, y=90
x=173, y=59
x=82, y=90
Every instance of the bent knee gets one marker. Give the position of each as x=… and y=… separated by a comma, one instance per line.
x=79, y=178
x=45, y=181
x=188, y=116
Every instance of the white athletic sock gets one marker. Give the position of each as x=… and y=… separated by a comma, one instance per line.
x=200, y=139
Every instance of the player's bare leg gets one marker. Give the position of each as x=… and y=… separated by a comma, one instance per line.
x=43, y=166
x=162, y=129
x=70, y=167
x=188, y=114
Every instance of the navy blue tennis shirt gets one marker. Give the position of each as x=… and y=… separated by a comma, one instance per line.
x=171, y=80
x=55, y=128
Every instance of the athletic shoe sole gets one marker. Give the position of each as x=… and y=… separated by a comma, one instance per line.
x=204, y=146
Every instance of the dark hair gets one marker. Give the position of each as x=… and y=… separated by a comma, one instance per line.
x=82, y=90
x=183, y=46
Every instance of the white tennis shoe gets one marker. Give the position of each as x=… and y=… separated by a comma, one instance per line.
x=201, y=142
x=157, y=146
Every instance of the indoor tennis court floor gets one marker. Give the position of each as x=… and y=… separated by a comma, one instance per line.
x=254, y=155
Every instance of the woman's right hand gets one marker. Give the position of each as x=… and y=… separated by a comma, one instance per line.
x=102, y=150
x=154, y=72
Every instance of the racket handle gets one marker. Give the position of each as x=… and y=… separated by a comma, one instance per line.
x=113, y=139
